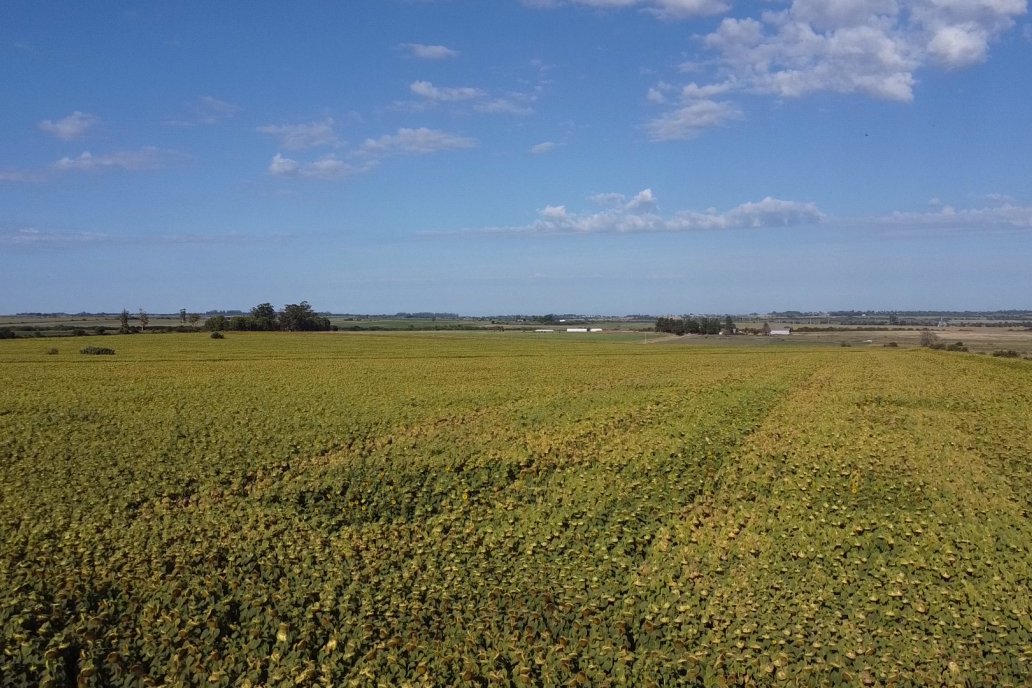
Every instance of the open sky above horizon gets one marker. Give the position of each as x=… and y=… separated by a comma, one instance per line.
x=592, y=156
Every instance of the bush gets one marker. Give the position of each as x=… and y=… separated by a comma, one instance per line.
x=959, y=346
x=52, y=351
x=6, y=333
x=97, y=351
x=892, y=345
x=79, y=332
x=217, y=335
x=1006, y=353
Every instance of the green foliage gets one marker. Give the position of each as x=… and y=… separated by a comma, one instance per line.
x=97, y=351
x=1006, y=353
x=301, y=318
x=7, y=333
x=496, y=510
x=217, y=335
x=216, y=323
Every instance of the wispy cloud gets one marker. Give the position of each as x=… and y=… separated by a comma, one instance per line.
x=542, y=148
x=304, y=135
x=21, y=176
x=329, y=167
x=416, y=142
x=999, y=215
x=147, y=158
x=421, y=141
x=71, y=127
x=691, y=119
x=428, y=52
x=664, y=9
x=427, y=90
x=431, y=95
x=33, y=238
x=205, y=111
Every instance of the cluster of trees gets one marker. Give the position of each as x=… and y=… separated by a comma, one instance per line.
x=695, y=325
x=295, y=317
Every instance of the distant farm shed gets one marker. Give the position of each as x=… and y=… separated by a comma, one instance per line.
x=781, y=333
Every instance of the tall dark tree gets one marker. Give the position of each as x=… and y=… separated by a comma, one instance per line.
x=144, y=320
x=263, y=317
x=182, y=315
x=299, y=317
x=123, y=321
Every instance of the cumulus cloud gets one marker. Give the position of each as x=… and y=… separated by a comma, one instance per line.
x=428, y=52
x=866, y=47
x=640, y=214
x=71, y=127
x=305, y=135
x=858, y=46
x=147, y=158
x=416, y=142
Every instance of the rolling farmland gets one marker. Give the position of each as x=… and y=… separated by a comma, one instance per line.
x=478, y=509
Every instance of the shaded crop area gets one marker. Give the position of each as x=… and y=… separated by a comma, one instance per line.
x=498, y=510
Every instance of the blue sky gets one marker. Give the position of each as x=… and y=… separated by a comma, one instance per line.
x=596, y=156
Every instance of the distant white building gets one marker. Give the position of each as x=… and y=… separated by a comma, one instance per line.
x=781, y=333
x=576, y=329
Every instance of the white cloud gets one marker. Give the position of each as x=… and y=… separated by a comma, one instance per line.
x=866, y=47
x=505, y=106
x=542, y=148
x=416, y=142
x=664, y=9
x=328, y=167
x=1002, y=214
x=642, y=200
x=429, y=91
x=206, y=110
x=71, y=127
x=554, y=212
x=691, y=119
x=33, y=238
x=428, y=52
x=147, y=158
x=20, y=176
x=212, y=109
x=639, y=214
x=872, y=47
x=302, y=136
x=283, y=167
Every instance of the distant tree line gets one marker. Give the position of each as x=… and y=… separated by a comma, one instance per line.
x=695, y=325
x=295, y=317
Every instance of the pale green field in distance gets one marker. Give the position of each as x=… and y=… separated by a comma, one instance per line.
x=482, y=509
